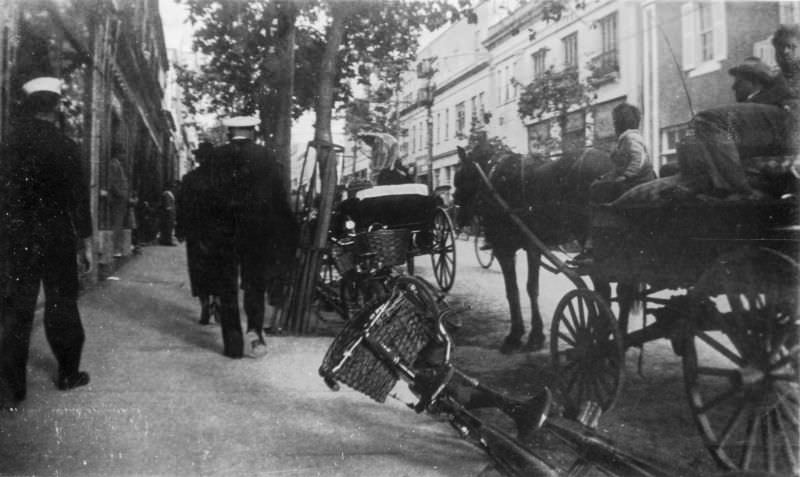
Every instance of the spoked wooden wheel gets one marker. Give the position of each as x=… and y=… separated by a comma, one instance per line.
x=742, y=359
x=443, y=251
x=485, y=256
x=587, y=351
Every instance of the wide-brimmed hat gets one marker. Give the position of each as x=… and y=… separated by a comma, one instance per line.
x=753, y=68
x=42, y=84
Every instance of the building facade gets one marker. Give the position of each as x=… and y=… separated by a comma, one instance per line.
x=670, y=58
x=112, y=59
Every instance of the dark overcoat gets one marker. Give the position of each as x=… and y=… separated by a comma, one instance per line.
x=264, y=226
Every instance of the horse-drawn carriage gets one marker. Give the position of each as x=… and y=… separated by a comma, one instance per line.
x=718, y=279
x=374, y=230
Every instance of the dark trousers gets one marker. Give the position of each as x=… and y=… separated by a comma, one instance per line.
x=727, y=133
x=254, y=283
x=55, y=266
x=232, y=339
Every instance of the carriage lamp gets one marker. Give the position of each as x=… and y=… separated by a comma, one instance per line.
x=350, y=225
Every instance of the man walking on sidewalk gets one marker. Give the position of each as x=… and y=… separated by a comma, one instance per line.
x=257, y=199
x=46, y=217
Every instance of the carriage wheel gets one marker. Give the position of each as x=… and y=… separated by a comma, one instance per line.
x=443, y=250
x=742, y=359
x=485, y=257
x=587, y=351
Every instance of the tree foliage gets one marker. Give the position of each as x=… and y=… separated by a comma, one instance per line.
x=238, y=41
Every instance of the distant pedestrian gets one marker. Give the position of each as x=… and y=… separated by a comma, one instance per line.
x=195, y=225
x=46, y=218
x=118, y=200
x=167, y=217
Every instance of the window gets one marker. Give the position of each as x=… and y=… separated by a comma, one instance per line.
x=789, y=13
x=413, y=138
x=446, y=124
x=473, y=103
x=704, y=36
x=508, y=83
x=422, y=135
x=481, y=105
x=438, y=126
x=705, y=32
x=606, y=63
x=670, y=138
x=499, y=86
x=539, y=63
x=570, y=44
x=460, y=118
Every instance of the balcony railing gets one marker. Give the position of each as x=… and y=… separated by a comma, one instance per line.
x=604, y=67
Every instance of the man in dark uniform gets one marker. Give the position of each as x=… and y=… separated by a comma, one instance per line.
x=194, y=225
x=46, y=218
x=263, y=219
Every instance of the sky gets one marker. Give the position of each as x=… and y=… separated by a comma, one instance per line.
x=177, y=31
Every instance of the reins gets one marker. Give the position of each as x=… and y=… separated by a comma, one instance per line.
x=558, y=266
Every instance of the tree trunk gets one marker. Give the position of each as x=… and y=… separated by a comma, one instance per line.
x=283, y=133
x=298, y=319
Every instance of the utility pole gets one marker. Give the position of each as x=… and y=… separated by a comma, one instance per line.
x=426, y=71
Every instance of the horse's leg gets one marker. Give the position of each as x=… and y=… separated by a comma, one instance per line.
x=626, y=295
x=514, y=339
x=536, y=336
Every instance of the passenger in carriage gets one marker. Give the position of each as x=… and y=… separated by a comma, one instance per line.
x=727, y=140
x=752, y=82
x=632, y=164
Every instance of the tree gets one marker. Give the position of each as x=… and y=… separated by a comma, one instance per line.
x=555, y=94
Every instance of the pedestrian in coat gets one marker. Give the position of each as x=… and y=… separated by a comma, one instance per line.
x=194, y=225
x=46, y=217
x=167, y=217
x=263, y=219
x=118, y=191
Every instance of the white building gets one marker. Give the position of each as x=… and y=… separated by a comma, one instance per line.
x=461, y=91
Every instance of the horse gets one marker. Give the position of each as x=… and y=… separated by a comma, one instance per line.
x=550, y=196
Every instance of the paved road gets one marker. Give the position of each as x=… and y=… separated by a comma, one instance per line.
x=163, y=401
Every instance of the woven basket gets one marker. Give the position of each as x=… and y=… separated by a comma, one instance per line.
x=390, y=245
x=402, y=327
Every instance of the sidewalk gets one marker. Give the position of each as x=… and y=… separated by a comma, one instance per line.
x=164, y=401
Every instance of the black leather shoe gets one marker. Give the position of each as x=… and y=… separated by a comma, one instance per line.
x=65, y=383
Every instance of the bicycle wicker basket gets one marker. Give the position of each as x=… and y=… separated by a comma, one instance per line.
x=401, y=326
x=390, y=245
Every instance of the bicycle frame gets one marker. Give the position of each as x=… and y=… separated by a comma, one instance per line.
x=430, y=383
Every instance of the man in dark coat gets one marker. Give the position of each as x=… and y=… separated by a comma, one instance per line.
x=194, y=225
x=46, y=218
x=264, y=223
x=768, y=127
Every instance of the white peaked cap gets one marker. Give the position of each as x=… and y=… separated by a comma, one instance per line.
x=43, y=84
x=240, y=122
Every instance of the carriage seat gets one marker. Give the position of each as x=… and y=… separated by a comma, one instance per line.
x=391, y=190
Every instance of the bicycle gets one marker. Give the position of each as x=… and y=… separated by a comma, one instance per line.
x=483, y=251
x=405, y=337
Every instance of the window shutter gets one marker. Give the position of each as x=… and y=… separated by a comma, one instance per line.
x=720, y=31
x=688, y=22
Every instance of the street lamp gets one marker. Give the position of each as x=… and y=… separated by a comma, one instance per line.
x=426, y=70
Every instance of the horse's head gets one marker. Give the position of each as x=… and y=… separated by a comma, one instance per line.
x=467, y=182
